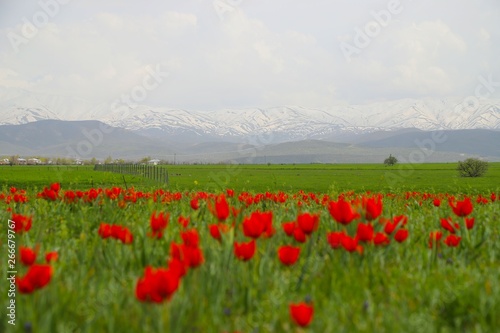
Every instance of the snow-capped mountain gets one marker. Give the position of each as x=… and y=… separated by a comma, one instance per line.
x=18, y=115
x=284, y=123
x=296, y=123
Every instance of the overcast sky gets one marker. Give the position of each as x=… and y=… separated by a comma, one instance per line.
x=250, y=53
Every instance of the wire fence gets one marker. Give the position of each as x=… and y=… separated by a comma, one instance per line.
x=153, y=172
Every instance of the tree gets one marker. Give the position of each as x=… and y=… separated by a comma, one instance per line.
x=13, y=160
x=472, y=167
x=391, y=160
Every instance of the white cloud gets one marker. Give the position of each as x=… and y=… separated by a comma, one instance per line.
x=261, y=54
x=10, y=78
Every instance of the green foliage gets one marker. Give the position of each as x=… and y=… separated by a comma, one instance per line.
x=391, y=160
x=472, y=167
x=399, y=288
x=436, y=177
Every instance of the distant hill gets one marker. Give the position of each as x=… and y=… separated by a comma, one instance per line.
x=81, y=139
x=338, y=123
x=75, y=139
x=474, y=141
x=317, y=151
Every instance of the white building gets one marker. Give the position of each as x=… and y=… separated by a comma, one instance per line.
x=34, y=161
x=154, y=162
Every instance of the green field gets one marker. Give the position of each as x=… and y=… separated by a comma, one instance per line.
x=260, y=178
x=422, y=283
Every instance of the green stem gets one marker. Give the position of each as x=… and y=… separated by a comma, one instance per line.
x=304, y=267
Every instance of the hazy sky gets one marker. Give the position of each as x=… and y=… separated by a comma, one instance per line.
x=245, y=53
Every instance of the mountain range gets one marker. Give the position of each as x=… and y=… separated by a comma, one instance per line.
x=42, y=124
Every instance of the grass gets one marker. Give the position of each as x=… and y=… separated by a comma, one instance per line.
x=82, y=177
x=308, y=177
x=403, y=287
x=342, y=177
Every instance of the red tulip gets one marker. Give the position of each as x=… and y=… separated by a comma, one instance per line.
x=51, y=256
x=288, y=228
x=335, y=239
x=37, y=277
x=302, y=313
x=307, y=222
x=288, y=255
x=254, y=225
x=193, y=256
x=452, y=240
x=104, y=230
x=389, y=227
x=350, y=244
x=158, y=223
x=469, y=223
x=19, y=198
x=190, y=238
x=125, y=236
x=434, y=238
x=215, y=232
x=48, y=194
x=70, y=196
x=436, y=202
x=244, y=251
x=195, y=204
x=448, y=225
x=267, y=220
x=462, y=208
x=364, y=232
x=299, y=235
x=400, y=219
x=177, y=266
x=28, y=256
x=188, y=252
x=342, y=211
x=55, y=187
x=381, y=239
x=373, y=207
x=157, y=285
x=481, y=200
x=183, y=221
x=221, y=208
x=178, y=254
x=21, y=223
x=117, y=232
x=401, y=235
